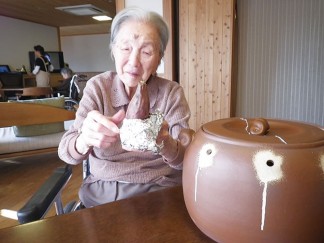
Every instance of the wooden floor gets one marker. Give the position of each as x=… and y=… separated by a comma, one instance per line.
x=20, y=177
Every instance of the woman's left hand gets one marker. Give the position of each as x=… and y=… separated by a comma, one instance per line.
x=166, y=143
x=163, y=133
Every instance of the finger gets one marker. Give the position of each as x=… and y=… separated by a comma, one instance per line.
x=97, y=134
x=163, y=133
x=164, y=128
x=185, y=136
x=100, y=142
x=90, y=125
x=96, y=139
x=99, y=137
x=118, y=117
x=107, y=122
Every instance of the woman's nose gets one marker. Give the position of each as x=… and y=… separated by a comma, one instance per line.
x=134, y=58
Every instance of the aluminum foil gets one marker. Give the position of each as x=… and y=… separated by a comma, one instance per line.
x=140, y=135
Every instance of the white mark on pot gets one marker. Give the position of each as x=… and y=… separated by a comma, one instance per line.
x=322, y=163
x=247, y=125
x=248, y=132
x=196, y=184
x=264, y=203
x=205, y=159
x=268, y=168
x=281, y=139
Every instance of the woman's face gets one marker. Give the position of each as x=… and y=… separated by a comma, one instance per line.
x=65, y=75
x=136, y=52
x=37, y=53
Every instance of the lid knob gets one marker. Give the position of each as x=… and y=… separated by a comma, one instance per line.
x=258, y=126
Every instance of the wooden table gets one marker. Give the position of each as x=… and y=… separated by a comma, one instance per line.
x=11, y=89
x=18, y=90
x=154, y=217
x=3, y=92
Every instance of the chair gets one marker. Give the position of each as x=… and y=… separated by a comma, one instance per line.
x=2, y=95
x=42, y=200
x=72, y=102
x=50, y=192
x=36, y=92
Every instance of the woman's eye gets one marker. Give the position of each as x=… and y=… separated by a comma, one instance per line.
x=147, y=53
x=124, y=48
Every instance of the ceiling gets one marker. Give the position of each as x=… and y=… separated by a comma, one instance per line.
x=44, y=12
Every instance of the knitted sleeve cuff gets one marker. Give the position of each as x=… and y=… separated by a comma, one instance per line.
x=173, y=153
x=73, y=151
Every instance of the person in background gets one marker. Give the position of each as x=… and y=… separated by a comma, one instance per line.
x=64, y=87
x=138, y=42
x=42, y=68
x=1, y=92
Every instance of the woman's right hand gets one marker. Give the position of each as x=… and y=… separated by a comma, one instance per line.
x=98, y=131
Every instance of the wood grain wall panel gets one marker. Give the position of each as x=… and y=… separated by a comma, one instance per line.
x=216, y=68
x=227, y=44
x=210, y=93
x=184, y=48
x=169, y=55
x=199, y=61
x=205, y=42
x=120, y=5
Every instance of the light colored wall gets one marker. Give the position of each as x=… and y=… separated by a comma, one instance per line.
x=281, y=59
x=91, y=53
x=87, y=53
x=18, y=37
x=152, y=5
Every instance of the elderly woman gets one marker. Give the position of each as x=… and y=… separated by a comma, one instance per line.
x=138, y=42
x=64, y=87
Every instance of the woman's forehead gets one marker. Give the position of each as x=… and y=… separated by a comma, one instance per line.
x=135, y=30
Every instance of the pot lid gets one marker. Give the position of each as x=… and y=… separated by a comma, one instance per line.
x=270, y=131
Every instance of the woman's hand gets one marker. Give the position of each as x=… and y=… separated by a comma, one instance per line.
x=166, y=143
x=163, y=133
x=98, y=131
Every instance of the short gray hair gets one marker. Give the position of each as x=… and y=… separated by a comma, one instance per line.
x=141, y=15
x=67, y=71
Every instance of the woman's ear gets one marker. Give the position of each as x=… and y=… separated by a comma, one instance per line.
x=112, y=53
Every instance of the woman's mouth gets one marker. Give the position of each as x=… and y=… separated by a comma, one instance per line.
x=133, y=74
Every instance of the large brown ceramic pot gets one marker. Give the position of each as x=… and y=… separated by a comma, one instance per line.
x=256, y=181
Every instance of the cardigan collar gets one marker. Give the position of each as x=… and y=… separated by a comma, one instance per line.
x=119, y=96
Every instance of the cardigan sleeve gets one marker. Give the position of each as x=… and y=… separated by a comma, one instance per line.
x=90, y=101
x=177, y=114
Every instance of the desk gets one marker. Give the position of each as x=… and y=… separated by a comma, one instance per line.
x=4, y=92
x=11, y=89
x=154, y=217
x=30, y=80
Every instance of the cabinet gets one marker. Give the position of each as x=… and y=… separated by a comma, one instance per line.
x=30, y=81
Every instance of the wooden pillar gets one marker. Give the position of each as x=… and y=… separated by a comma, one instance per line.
x=205, y=45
